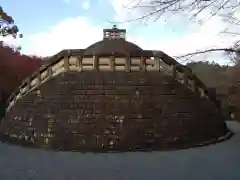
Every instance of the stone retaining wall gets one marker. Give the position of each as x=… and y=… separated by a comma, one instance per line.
x=101, y=111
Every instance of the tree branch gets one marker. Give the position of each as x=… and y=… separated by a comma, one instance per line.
x=160, y=7
x=228, y=50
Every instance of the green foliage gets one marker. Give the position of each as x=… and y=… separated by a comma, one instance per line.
x=7, y=26
x=219, y=77
x=212, y=74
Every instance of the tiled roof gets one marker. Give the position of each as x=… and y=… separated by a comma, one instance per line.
x=108, y=46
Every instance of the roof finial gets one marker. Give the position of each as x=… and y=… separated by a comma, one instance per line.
x=114, y=26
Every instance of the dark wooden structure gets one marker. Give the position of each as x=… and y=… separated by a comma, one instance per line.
x=112, y=96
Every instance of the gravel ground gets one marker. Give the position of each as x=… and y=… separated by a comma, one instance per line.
x=214, y=162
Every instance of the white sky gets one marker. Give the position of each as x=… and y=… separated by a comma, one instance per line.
x=85, y=32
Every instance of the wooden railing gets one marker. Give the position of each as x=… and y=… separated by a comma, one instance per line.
x=150, y=61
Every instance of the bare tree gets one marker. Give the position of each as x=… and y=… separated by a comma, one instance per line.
x=157, y=8
x=225, y=9
x=232, y=53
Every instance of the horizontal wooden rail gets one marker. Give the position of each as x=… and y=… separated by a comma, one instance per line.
x=158, y=63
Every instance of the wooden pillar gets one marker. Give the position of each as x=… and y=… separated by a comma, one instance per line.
x=157, y=63
x=28, y=85
x=23, y=85
x=143, y=63
x=127, y=63
x=49, y=72
x=66, y=63
x=202, y=91
x=96, y=63
x=38, y=77
x=79, y=63
x=174, y=71
x=112, y=63
x=17, y=94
